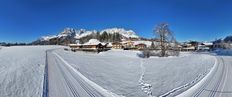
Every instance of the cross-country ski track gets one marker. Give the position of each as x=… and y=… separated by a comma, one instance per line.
x=218, y=83
x=61, y=80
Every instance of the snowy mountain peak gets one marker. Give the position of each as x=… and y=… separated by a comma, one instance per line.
x=46, y=38
x=82, y=33
x=66, y=32
x=122, y=31
x=73, y=34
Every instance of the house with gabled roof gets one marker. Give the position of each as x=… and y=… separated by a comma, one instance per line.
x=91, y=45
x=117, y=45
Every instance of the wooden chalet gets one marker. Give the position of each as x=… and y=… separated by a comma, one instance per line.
x=117, y=45
x=140, y=46
x=128, y=44
x=92, y=45
x=75, y=47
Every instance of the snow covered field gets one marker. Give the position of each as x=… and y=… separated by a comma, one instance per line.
x=120, y=72
x=170, y=75
x=22, y=70
x=124, y=73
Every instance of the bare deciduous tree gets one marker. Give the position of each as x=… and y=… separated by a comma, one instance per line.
x=166, y=38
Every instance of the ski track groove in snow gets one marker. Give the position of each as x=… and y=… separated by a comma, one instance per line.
x=226, y=76
x=203, y=86
x=202, y=83
x=184, y=86
x=192, y=83
x=80, y=82
x=68, y=82
x=212, y=92
x=94, y=85
x=217, y=83
x=45, y=82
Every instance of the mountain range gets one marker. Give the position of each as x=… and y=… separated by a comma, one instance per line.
x=71, y=35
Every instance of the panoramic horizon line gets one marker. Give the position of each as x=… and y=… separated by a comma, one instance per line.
x=113, y=27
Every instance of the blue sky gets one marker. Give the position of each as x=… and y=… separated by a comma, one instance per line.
x=27, y=20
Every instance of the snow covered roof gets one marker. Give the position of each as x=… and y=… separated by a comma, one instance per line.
x=148, y=43
x=93, y=42
x=189, y=48
x=116, y=43
x=208, y=43
x=109, y=45
x=75, y=44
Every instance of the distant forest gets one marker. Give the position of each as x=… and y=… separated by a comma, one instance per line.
x=13, y=44
x=104, y=37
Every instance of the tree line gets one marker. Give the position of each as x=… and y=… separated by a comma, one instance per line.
x=13, y=44
x=102, y=37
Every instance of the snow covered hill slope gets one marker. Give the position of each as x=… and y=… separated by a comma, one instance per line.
x=121, y=72
x=22, y=70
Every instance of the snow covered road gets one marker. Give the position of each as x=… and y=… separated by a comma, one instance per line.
x=219, y=82
x=63, y=81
